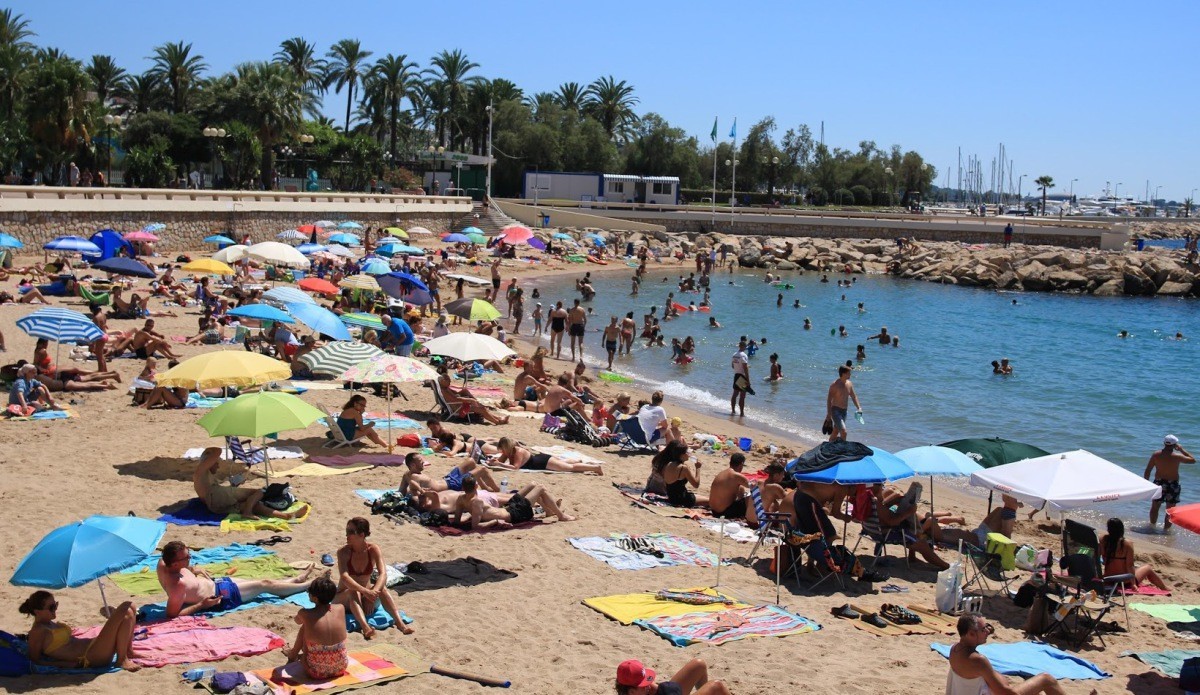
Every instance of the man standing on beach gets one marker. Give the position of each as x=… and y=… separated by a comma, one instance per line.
x=576, y=328
x=841, y=392
x=1165, y=465
x=741, y=379
x=612, y=335
x=972, y=674
x=1008, y=234
x=494, y=296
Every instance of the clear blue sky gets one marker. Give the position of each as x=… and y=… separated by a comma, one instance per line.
x=1098, y=91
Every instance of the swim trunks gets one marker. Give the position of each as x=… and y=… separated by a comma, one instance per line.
x=495, y=283
x=610, y=345
x=228, y=592
x=669, y=688
x=1008, y=514
x=141, y=353
x=577, y=330
x=737, y=510
x=325, y=661
x=1170, y=490
x=839, y=417
x=519, y=510
x=454, y=479
x=537, y=462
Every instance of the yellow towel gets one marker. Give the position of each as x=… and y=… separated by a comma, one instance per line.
x=316, y=469
x=260, y=567
x=626, y=608
x=237, y=522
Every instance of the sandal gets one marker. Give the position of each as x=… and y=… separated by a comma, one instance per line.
x=272, y=540
x=874, y=619
x=900, y=615
x=845, y=611
x=894, y=589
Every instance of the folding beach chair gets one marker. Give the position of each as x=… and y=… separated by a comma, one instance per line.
x=442, y=407
x=981, y=567
x=337, y=438
x=1081, y=559
x=772, y=528
x=249, y=457
x=631, y=437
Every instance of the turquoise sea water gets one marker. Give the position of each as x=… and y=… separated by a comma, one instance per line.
x=1076, y=385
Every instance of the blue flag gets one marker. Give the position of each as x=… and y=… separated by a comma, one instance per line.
x=714, y=130
x=733, y=130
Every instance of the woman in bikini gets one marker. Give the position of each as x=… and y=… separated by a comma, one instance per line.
x=321, y=642
x=1117, y=554
x=350, y=421
x=515, y=457
x=47, y=368
x=357, y=561
x=52, y=643
x=671, y=464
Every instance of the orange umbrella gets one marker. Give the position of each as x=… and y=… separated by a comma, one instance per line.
x=319, y=285
x=309, y=229
x=1187, y=516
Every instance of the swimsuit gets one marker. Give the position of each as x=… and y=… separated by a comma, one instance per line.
x=537, y=462
x=1008, y=514
x=678, y=494
x=348, y=426
x=610, y=345
x=519, y=510
x=557, y=324
x=454, y=479
x=839, y=417
x=1170, y=490
x=229, y=593
x=736, y=510
x=358, y=571
x=577, y=330
x=669, y=688
x=141, y=353
x=325, y=661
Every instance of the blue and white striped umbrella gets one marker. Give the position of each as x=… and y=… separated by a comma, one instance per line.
x=61, y=325
x=72, y=244
x=287, y=295
x=308, y=249
x=291, y=234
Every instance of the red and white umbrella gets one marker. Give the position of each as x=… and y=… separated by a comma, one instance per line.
x=140, y=235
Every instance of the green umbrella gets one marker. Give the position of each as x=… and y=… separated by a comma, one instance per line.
x=994, y=451
x=477, y=238
x=473, y=309
x=260, y=414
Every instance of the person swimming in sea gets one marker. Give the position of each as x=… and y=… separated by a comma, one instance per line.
x=776, y=368
x=779, y=300
x=996, y=367
x=807, y=324
x=1124, y=334
x=842, y=332
x=862, y=309
x=712, y=322
x=796, y=304
x=861, y=354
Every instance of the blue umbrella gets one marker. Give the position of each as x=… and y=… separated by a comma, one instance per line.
x=10, y=242
x=287, y=295
x=73, y=244
x=879, y=467
x=154, y=227
x=562, y=237
x=349, y=225
x=319, y=319
x=218, y=239
x=456, y=238
x=406, y=287
x=537, y=243
x=125, y=266
x=376, y=266
x=343, y=238
x=262, y=312
x=473, y=230
x=598, y=242
x=938, y=460
x=62, y=325
x=308, y=249
x=593, y=235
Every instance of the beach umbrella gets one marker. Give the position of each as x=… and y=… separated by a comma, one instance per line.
x=515, y=233
x=880, y=467
x=476, y=238
x=349, y=225
x=319, y=319
x=61, y=326
x=469, y=347
x=346, y=239
x=389, y=369
x=140, y=235
x=473, y=309
x=291, y=234
x=309, y=229
x=72, y=244
x=456, y=239
x=593, y=235
x=1071, y=480
x=260, y=414
x=125, y=266
x=401, y=249
x=994, y=451
x=154, y=227
x=360, y=282
x=396, y=232
x=419, y=231
x=335, y=358
x=87, y=550
x=938, y=460
x=231, y=254
x=208, y=266
x=309, y=249
x=562, y=237
x=339, y=250
x=287, y=295
x=277, y=254
x=471, y=230
x=363, y=320
x=218, y=239
x=262, y=312
x=1186, y=516
x=319, y=285
x=322, y=224
x=224, y=368
x=376, y=266
x=8, y=241
x=469, y=279
x=598, y=242
x=410, y=288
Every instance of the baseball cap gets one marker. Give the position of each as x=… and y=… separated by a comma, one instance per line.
x=1170, y=439
x=632, y=674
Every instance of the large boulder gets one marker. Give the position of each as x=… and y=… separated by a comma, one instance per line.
x=1174, y=289
x=1137, y=283
x=1066, y=280
x=786, y=265
x=1110, y=288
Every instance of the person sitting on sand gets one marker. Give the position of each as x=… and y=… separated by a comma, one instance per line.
x=527, y=387
x=653, y=419
x=514, y=457
x=357, y=561
x=28, y=395
x=556, y=397
x=728, y=496
x=577, y=378
x=414, y=481
x=972, y=674
x=193, y=590
x=633, y=678
x=225, y=499
x=1116, y=551
x=463, y=403
x=321, y=641
x=350, y=422
x=132, y=308
x=502, y=510
x=144, y=343
x=671, y=464
x=52, y=643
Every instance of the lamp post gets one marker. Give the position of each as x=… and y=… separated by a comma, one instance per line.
x=110, y=120
x=891, y=184
x=1117, y=193
x=289, y=154
x=733, y=192
x=487, y=194
x=435, y=154
x=214, y=134
x=773, y=162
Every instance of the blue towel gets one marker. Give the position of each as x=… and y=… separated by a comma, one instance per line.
x=194, y=513
x=195, y=400
x=1028, y=659
x=380, y=620
x=155, y=612
x=205, y=556
x=371, y=495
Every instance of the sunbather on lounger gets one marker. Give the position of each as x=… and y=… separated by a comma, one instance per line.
x=414, y=481
x=463, y=402
x=356, y=561
x=972, y=674
x=193, y=590
x=52, y=643
x=886, y=526
x=321, y=642
x=226, y=499
x=635, y=679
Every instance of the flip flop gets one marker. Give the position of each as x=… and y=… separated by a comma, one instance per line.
x=272, y=540
x=327, y=560
x=894, y=589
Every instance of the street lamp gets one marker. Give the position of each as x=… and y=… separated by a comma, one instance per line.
x=1117, y=193
x=891, y=183
x=436, y=152
x=214, y=134
x=487, y=195
x=774, y=162
x=288, y=154
x=110, y=120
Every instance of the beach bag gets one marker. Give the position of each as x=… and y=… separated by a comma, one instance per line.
x=1026, y=557
x=862, y=503
x=1189, y=675
x=278, y=496
x=391, y=502
x=949, y=588
x=410, y=441
x=13, y=659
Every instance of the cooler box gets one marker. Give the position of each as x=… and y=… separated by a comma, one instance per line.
x=1005, y=547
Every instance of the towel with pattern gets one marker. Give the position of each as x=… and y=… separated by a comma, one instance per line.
x=625, y=552
x=659, y=504
x=628, y=608
x=145, y=582
x=363, y=669
x=189, y=639
x=318, y=470
x=237, y=522
x=728, y=625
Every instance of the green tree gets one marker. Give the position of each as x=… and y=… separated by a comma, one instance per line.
x=346, y=68
x=149, y=167
x=391, y=80
x=14, y=29
x=301, y=59
x=56, y=106
x=571, y=96
x=145, y=93
x=179, y=71
x=1045, y=183
x=14, y=77
x=611, y=103
x=240, y=153
x=449, y=71
x=272, y=102
x=107, y=77
x=657, y=149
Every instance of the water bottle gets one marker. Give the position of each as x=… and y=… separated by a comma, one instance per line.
x=858, y=416
x=504, y=484
x=199, y=674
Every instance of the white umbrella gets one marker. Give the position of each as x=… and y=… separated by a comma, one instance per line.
x=277, y=254
x=1070, y=480
x=419, y=231
x=292, y=234
x=469, y=347
x=230, y=254
x=339, y=250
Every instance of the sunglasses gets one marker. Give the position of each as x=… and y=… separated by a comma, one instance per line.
x=52, y=606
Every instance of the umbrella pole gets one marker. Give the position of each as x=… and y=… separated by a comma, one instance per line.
x=389, y=414
x=931, y=507
x=720, y=550
x=100, y=583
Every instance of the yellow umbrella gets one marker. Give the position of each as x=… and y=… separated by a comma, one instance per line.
x=209, y=266
x=224, y=368
x=396, y=232
x=360, y=282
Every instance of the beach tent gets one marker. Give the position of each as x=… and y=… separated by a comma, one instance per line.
x=1070, y=480
x=111, y=244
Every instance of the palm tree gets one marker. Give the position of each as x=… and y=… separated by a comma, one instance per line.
x=1044, y=182
x=106, y=76
x=611, y=103
x=391, y=80
x=571, y=96
x=14, y=29
x=272, y=101
x=537, y=100
x=57, y=109
x=345, y=69
x=449, y=72
x=144, y=92
x=179, y=70
x=300, y=57
x=14, y=74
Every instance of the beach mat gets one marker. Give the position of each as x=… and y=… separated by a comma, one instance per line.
x=193, y=513
x=443, y=574
x=628, y=608
x=719, y=627
x=673, y=550
x=567, y=454
x=317, y=385
x=205, y=556
x=1169, y=662
x=237, y=522
x=145, y=583
x=316, y=470
x=344, y=460
x=1142, y=590
x=155, y=612
x=659, y=504
x=1169, y=612
x=274, y=453
x=189, y=639
x=1027, y=659
x=364, y=669
x=195, y=400
x=735, y=530
x=42, y=415
x=931, y=617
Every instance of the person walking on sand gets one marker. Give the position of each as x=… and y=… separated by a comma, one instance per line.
x=576, y=328
x=1165, y=465
x=841, y=391
x=611, y=340
x=558, y=325
x=971, y=673
x=741, y=379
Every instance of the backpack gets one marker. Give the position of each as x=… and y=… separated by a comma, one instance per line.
x=278, y=496
x=392, y=502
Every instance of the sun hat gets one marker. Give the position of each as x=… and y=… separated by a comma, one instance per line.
x=632, y=674
x=1171, y=440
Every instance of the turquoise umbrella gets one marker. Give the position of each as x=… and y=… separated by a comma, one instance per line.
x=9, y=241
x=262, y=312
x=218, y=239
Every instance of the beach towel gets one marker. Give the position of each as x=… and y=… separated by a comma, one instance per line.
x=1169, y=662
x=195, y=400
x=145, y=582
x=237, y=522
x=318, y=470
x=628, y=608
x=189, y=639
x=827, y=455
x=674, y=551
x=380, y=619
x=567, y=454
x=364, y=669
x=155, y=612
x=343, y=460
x=728, y=625
x=371, y=495
x=194, y=513
x=274, y=453
x=443, y=574
x=1169, y=612
x=317, y=385
x=381, y=420
x=1028, y=659
x=43, y=415
x=1142, y=590
x=736, y=530
x=658, y=503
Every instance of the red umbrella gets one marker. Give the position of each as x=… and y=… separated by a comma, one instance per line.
x=319, y=285
x=1187, y=516
x=310, y=228
x=515, y=234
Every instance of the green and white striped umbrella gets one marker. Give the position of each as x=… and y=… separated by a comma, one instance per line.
x=335, y=358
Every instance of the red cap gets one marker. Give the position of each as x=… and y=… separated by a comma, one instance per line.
x=632, y=674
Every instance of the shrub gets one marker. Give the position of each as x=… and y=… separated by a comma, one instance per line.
x=149, y=167
x=862, y=194
x=843, y=196
x=818, y=196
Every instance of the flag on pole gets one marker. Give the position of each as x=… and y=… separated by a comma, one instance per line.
x=714, y=130
x=733, y=130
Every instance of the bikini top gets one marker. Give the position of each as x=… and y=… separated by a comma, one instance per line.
x=60, y=636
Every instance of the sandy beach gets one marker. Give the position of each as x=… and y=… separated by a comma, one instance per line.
x=111, y=458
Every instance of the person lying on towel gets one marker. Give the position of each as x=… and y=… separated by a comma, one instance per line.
x=193, y=590
x=223, y=498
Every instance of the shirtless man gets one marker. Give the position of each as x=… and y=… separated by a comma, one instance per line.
x=489, y=509
x=557, y=396
x=972, y=674
x=576, y=328
x=527, y=387
x=193, y=590
x=1165, y=465
x=145, y=342
x=558, y=324
x=836, y=403
x=414, y=481
x=882, y=336
x=611, y=340
x=494, y=295
x=728, y=497
x=226, y=499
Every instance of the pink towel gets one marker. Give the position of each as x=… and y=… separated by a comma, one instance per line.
x=358, y=460
x=1143, y=590
x=190, y=639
